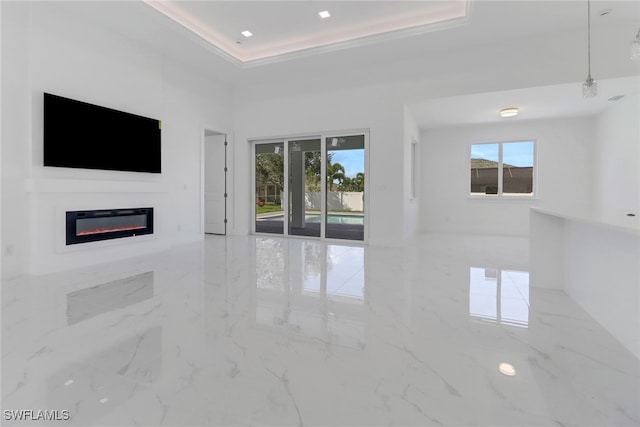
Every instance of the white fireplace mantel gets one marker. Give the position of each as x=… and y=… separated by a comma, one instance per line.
x=93, y=186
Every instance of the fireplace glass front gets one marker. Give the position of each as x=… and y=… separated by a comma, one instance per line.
x=89, y=226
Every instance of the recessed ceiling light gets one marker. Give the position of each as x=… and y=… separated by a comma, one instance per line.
x=246, y=33
x=509, y=112
x=507, y=369
x=324, y=14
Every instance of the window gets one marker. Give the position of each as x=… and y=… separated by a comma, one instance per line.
x=502, y=168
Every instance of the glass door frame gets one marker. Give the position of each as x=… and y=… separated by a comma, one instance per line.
x=288, y=180
x=323, y=178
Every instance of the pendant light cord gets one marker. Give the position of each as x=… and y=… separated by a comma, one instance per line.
x=589, y=38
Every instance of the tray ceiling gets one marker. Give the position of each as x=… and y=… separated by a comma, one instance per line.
x=282, y=30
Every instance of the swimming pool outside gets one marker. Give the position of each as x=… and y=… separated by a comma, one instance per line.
x=351, y=219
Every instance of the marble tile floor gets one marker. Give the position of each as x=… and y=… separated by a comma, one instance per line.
x=260, y=331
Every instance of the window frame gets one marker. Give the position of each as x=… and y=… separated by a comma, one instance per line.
x=500, y=195
x=414, y=169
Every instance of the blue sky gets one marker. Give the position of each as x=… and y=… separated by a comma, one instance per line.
x=352, y=160
x=514, y=153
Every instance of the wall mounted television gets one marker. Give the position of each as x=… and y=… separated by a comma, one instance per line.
x=87, y=136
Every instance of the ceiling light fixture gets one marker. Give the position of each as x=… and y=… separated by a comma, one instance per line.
x=247, y=33
x=590, y=86
x=507, y=369
x=324, y=14
x=635, y=47
x=509, y=112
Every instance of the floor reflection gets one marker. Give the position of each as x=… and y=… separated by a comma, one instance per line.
x=273, y=331
x=87, y=303
x=345, y=280
x=500, y=296
x=311, y=288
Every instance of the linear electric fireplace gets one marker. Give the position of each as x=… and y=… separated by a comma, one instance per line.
x=90, y=226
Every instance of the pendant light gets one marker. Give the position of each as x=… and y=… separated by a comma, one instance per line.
x=635, y=47
x=590, y=86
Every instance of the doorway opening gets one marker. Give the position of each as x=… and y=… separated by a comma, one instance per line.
x=215, y=182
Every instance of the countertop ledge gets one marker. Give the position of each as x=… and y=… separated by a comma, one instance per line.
x=616, y=220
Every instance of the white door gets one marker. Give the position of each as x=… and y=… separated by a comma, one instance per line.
x=214, y=184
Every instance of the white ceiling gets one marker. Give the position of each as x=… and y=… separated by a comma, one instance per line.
x=515, y=34
x=285, y=29
x=556, y=101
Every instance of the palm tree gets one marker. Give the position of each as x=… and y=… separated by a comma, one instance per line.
x=335, y=172
x=358, y=181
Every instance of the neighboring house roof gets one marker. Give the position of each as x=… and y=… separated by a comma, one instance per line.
x=487, y=164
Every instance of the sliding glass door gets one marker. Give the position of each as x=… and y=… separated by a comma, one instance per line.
x=345, y=187
x=269, y=187
x=313, y=186
x=305, y=167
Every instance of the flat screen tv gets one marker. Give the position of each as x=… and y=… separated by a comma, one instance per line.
x=87, y=136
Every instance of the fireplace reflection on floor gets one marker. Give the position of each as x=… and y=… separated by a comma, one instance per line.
x=90, y=302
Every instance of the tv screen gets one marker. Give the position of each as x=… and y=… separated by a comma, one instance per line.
x=82, y=135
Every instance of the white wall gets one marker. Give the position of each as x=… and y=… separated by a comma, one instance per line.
x=371, y=108
x=617, y=158
x=15, y=134
x=50, y=51
x=564, y=175
x=1, y=246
